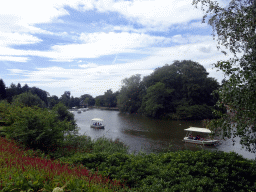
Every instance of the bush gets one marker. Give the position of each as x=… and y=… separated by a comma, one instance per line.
x=175, y=171
x=198, y=112
x=35, y=127
x=29, y=100
x=19, y=172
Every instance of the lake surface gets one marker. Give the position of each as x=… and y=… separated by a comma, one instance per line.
x=145, y=134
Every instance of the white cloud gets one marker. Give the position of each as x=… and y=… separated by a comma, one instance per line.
x=98, y=44
x=17, y=71
x=7, y=39
x=95, y=79
x=89, y=65
x=16, y=59
x=156, y=14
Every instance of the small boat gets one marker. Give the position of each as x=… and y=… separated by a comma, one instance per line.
x=97, y=123
x=199, y=140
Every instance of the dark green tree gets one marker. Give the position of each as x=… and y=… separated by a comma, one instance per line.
x=156, y=102
x=43, y=95
x=65, y=98
x=2, y=90
x=185, y=84
x=234, y=27
x=110, y=98
x=28, y=99
x=52, y=101
x=35, y=127
x=99, y=101
x=129, y=98
x=87, y=100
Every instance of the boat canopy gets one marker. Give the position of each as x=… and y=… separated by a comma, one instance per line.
x=97, y=119
x=197, y=129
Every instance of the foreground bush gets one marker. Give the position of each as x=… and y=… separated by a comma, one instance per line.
x=175, y=171
x=35, y=127
x=20, y=172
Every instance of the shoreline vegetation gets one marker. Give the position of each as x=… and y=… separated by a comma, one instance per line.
x=30, y=161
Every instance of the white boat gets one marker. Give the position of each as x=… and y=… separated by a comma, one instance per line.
x=189, y=138
x=97, y=123
x=85, y=109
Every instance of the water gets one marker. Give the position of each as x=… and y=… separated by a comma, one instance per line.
x=145, y=134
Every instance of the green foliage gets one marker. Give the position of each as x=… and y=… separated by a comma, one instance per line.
x=175, y=171
x=155, y=102
x=130, y=98
x=194, y=112
x=35, y=127
x=20, y=172
x=168, y=90
x=28, y=99
x=87, y=100
x=52, y=101
x=235, y=27
x=14, y=90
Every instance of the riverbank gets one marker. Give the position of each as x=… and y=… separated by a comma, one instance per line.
x=106, y=108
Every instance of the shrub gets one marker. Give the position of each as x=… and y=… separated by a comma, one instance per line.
x=28, y=99
x=35, y=127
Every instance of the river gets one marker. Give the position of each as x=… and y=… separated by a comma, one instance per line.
x=145, y=134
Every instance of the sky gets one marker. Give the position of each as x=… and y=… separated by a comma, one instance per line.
x=89, y=46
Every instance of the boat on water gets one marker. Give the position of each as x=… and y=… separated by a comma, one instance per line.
x=85, y=109
x=97, y=123
x=189, y=138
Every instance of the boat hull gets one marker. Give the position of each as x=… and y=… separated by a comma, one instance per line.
x=97, y=127
x=200, y=142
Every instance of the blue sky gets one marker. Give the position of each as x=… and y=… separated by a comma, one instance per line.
x=89, y=46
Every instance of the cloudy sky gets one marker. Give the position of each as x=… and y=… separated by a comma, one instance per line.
x=89, y=46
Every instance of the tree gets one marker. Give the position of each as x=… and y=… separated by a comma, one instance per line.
x=35, y=127
x=87, y=100
x=99, y=101
x=110, y=98
x=182, y=85
x=65, y=98
x=235, y=27
x=52, y=101
x=155, y=102
x=43, y=95
x=129, y=98
x=2, y=90
x=28, y=99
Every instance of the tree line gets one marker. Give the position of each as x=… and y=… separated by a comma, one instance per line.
x=181, y=90
x=42, y=98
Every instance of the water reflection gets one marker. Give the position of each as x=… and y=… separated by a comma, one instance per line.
x=142, y=133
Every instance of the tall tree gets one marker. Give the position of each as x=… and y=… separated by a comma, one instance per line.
x=52, y=101
x=234, y=27
x=129, y=98
x=87, y=100
x=28, y=99
x=2, y=90
x=156, y=102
